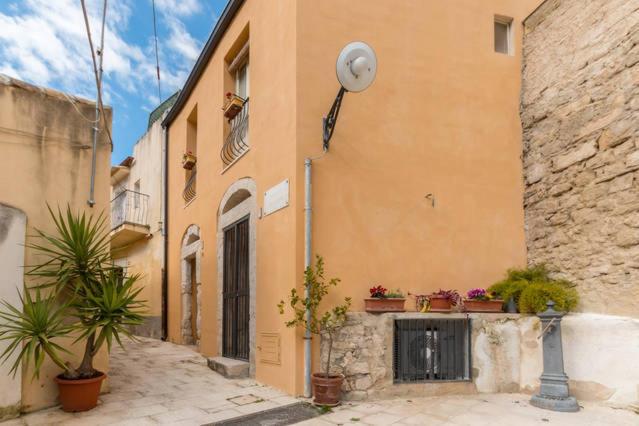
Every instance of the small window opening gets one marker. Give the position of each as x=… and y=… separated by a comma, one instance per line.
x=503, y=35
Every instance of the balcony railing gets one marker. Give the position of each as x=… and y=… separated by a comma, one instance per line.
x=236, y=142
x=190, y=189
x=129, y=207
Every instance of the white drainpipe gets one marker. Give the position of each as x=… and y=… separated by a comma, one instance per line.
x=307, y=264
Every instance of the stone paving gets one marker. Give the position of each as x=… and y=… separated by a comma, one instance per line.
x=469, y=410
x=155, y=382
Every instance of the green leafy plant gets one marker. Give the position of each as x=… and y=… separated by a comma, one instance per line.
x=317, y=323
x=532, y=287
x=395, y=294
x=85, y=297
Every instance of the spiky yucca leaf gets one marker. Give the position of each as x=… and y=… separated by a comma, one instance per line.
x=109, y=309
x=31, y=328
x=77, y=252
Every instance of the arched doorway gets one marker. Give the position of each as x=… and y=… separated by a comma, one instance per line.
x=191, y=290
x=236, y=236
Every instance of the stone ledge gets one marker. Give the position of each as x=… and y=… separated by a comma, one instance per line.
x=228, y=367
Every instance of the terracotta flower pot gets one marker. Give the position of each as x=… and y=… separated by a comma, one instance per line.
x=440, y=304
x=233, y=107
x=188, y=162
x=79, y=394
x=483, y=305
x=327, y=390
x=379, y=305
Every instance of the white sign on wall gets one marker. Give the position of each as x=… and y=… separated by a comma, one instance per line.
x=276, y=198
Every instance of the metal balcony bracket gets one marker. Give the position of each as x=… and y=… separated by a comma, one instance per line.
x=331, y=118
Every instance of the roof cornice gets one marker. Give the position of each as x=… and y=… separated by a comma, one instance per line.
x=207, y=52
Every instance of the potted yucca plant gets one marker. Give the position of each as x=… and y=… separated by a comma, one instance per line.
x=326, y=386
x=78, y=294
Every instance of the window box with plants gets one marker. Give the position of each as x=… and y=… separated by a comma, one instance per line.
x=382, y=300
x=233, y=105
x=480, y=300
x=188, y=160
x=327, y=386
x=443, y=300
x=77, y=294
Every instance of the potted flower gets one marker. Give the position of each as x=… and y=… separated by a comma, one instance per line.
x=233, y=105
x=79, y=294
x=327, y=387
x=443, y=300
x=479, y=300
x=383, y=301
x=188, y=160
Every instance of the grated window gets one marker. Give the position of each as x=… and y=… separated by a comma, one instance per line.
x=431, y=350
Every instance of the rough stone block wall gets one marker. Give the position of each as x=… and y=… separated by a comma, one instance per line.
x=580, y=118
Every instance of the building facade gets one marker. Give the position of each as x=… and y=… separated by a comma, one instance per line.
x=579, y=110
x=137, y=218
x=421, y=189
x=46, y=140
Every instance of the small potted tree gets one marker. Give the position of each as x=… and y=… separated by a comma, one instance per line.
x=443, y=300
x=383, y=301
x=479, y=300
x=79, y=295
x=306, y=313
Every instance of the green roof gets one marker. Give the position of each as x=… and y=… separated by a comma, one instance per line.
x=156, y=114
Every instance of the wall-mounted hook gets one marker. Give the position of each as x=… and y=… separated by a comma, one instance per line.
x=431, y=197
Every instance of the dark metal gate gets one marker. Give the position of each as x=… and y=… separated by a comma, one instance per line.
x=427, y=350
x=235, y=323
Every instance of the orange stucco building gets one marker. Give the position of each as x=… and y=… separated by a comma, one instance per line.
x=421, y=189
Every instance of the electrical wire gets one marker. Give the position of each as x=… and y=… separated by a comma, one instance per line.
x=98, y=80
x=77, y=110
x=157, y=57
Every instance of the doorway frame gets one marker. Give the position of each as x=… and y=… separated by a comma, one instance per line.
x=238, y=202
x=191, y=249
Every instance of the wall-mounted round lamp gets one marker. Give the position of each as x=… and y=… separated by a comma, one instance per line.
x=356, y=68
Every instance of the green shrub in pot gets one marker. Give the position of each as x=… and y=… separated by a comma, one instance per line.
x=532, y=287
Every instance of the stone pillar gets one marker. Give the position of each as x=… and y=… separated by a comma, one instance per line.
x=554, y=393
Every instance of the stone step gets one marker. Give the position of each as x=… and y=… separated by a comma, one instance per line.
x=228, y=367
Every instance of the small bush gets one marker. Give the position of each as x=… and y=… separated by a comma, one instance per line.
x=534, y=297
x=532, y=287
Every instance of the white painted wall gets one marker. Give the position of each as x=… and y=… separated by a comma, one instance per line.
x=13, y=224
x=601, y=357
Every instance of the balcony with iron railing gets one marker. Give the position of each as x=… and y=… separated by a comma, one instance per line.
x=129, y=217
x=236, y=142
x=190, y=188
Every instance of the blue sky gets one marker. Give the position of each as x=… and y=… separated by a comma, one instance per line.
x=44, y=42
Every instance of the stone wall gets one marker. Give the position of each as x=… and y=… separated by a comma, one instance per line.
x=580, y=118
x=506, y=356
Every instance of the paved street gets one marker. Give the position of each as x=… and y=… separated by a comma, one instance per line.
x=470, y=410
x=155, y=382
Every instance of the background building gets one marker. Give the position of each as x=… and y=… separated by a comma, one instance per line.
x=137, y=211
x=45, y=138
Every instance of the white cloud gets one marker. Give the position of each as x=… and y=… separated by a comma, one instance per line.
x=178, y=7
x=45, y=42
x=180, y=41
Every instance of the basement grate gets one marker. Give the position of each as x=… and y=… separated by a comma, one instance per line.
x=431, y=350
